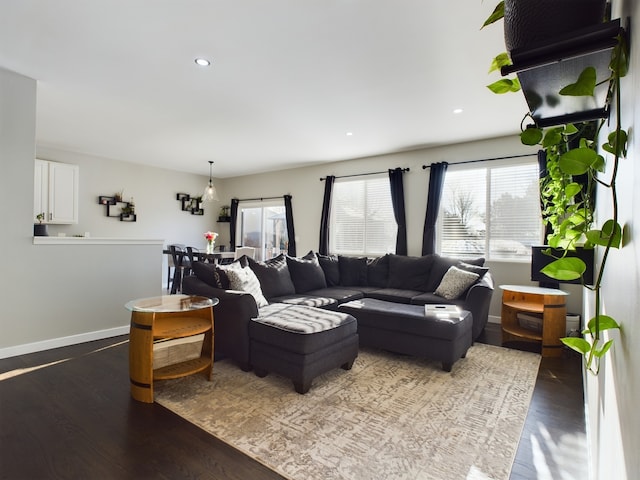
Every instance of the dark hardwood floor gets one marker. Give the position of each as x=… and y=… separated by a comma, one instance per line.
x=67, y=414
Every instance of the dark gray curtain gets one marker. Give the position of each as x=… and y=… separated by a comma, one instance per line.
x=397, y=200
x=232, y=224
x=290, y=230
x=324, y=219
x=437, y=173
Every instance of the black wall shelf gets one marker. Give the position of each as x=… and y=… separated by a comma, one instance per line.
x=190, y=204
x=544, y=69
x=126, y=210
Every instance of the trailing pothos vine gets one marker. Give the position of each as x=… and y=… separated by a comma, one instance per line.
x=568, y=205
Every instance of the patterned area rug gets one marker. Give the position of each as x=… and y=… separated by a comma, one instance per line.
x=391, y=416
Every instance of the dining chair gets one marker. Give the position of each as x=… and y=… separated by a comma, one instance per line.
x=182, y=265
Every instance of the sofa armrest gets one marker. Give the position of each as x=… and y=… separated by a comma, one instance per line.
x=478, y=302
x=231, y=318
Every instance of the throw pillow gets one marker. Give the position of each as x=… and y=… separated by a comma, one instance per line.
x=222, y=271
x=472, y=268
x=441, y=265
x=455, y=283
x=306, y=273
x=329, y=264
x=378, y=271
x=274, y=276
x=353, y=271
x=410, y=273
x=245, y=280
x=207, y=273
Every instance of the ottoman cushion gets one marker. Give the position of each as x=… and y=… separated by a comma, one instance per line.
x=300, y=329
x=405, y=318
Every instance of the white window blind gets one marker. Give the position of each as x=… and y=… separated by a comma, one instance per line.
x=362, y=221
x=492, y=212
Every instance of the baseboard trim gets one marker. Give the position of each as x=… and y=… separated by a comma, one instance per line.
x=494, y=319
x=62, y=341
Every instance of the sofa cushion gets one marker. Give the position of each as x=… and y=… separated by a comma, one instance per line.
x=274, y=276
x=245, y=280
x=306, y=273
x=396, y=295
x=353, y=271
x=207, y=273
x=455, y=283
x=441, y=265
x=378, y=271
x=329, y=264
x=481, y=271
x=341, y=294
x=308, y=301
x=410, y=273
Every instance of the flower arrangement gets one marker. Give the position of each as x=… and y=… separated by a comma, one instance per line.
x=210, y=237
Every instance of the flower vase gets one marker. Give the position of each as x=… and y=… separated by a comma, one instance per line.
x=210, y=247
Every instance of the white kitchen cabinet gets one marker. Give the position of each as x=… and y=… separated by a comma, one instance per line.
x=55, y=192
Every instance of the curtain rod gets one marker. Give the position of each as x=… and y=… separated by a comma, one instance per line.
x=488, y=159
x=260, y=199
x=363, y=174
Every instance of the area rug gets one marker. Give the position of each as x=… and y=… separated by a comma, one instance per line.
x=390, y=417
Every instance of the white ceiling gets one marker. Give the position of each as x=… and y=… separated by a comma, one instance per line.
x=288, y=80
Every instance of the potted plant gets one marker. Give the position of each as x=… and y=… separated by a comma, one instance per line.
x=569, y=206
x=40, y=229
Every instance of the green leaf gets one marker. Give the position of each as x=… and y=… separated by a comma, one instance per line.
x=496, y=15
x=585, y=85
x=505, y=85
x=566, y=268
x=572, y=189
x=570, y=129
x=578, y=344
x=605, y=323
x=578, y=160
x=552, y=137
x=531, y=136
x=500, y=61
x=614, y=147
x=601, y=237
x=619, y=64
x=600, y=353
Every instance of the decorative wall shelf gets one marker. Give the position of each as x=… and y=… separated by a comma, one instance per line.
x=127, y=210
x=545, y=69
x=190, y=204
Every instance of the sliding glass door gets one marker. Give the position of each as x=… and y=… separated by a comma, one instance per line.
x=263, y=226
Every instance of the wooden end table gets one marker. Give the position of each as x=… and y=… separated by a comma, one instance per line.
x=161, y=318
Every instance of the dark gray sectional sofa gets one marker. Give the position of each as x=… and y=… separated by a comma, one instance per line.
x=328, y=281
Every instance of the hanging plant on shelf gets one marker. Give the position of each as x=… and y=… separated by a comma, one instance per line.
x=568, y=206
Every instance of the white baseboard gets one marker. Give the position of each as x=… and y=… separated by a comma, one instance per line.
x=62, y=342
x=494, y=319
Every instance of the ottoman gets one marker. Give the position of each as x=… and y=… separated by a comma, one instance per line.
x=300, y=342
x=406, y=329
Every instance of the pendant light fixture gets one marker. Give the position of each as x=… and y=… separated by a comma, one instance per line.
x=210, y=193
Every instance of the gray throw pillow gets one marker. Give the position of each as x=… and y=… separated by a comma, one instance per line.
x=455, y=283
x=441, y=265
x=378, y=271
x=353, y=271
x=306, y=273
x=410, y=273
x=245, y=280
x=331, y=269
x=274, y=276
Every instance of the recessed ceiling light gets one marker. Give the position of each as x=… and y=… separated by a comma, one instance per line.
x=457, y=110
x=349, y=134
x=203, y=62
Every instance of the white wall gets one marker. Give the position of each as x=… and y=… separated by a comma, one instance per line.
x=53, y=295
x=614, y=421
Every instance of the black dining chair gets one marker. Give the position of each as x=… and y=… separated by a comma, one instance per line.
x=182, y=266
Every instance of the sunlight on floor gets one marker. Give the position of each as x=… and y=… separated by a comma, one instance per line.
x=21, y=371
x=476, y=474
x=559, y=458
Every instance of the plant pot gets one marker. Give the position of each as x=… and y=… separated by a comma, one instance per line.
x=40, y=230
x=529, y=22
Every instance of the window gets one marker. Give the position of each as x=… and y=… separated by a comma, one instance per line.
x=492, y=212
x=362, y=221
x=263, y=226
